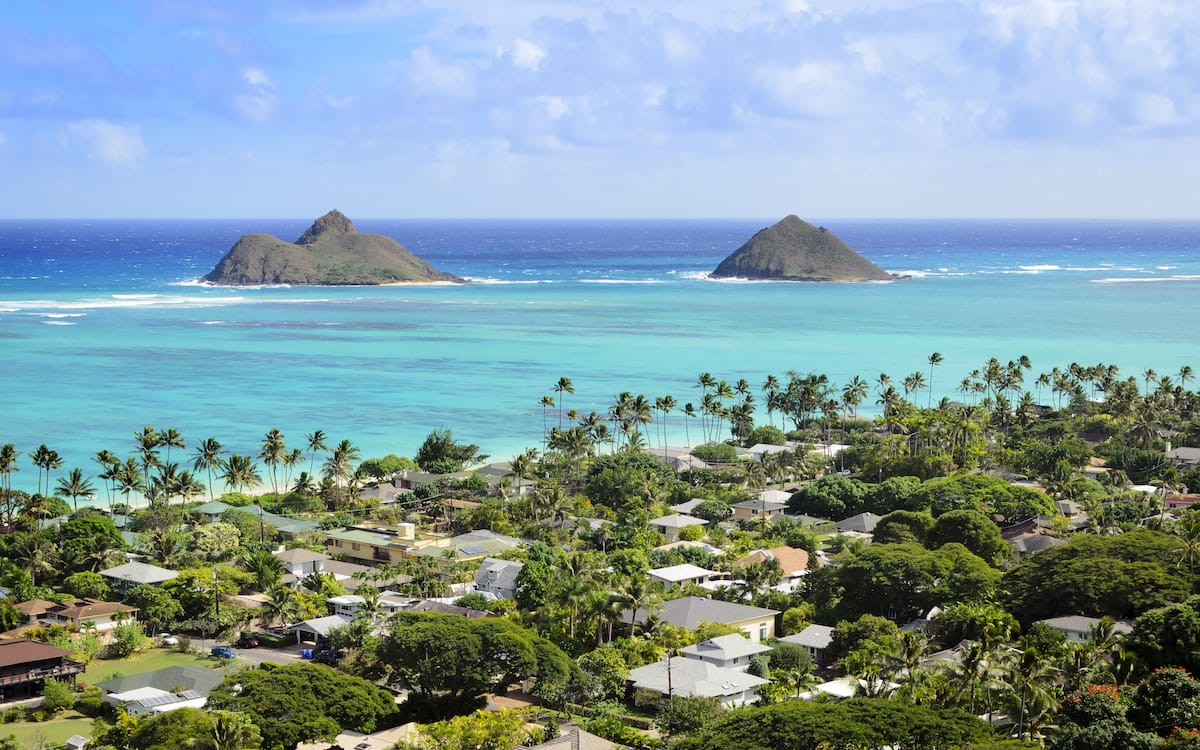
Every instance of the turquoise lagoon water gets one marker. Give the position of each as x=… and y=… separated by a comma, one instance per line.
x=104, y=328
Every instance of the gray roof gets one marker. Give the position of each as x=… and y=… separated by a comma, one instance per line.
x=574, y=738
x=139, y=572
x=322, y=625
x=690, y=611
x=498, y=574
x=1081, y=624
x=1036, y=543
x=676, y=521
x=765, y=505
x=726, y=647
x=299, y=555
x=692, y=677
x=814, y=636
x=197, y=679
x=863, y=522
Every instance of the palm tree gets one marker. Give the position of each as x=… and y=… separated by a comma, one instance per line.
x=265, y=567
x=564, y=385
x=272, y=453
x=546, y=402
x=689, y=412
x=340, y=466
x=935, y=359
x=636, y=594
x=8, y=464
x=209, y=457
x=170, y=438
x=40, y=459
x=316, y=442
x=128, y=478
x=108, y=462
x=75, y=485
x=146, y=444
x=281, y=605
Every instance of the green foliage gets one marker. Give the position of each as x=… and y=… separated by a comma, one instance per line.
x=1094, y=719
x=687, y=714
x=972, y=529
x=159, y=610
x=893, y=493
x=1169, y=635
x=302, y=702
x=853, y=635
x=832, y=496
x=127, y=638
x=439, y=454
x=86, y=584
x=1119, y=576
x=716, y=453
x=766, y=435
x=448, y=663
x=1050, y=460
x=896, y=580
x=1169, y=698
x=56, y=696
x=386, y=467
x=713, y=510
x=605, y=670
x=482, y=730
x=980, y=492
x=852, y=723
x=902, y=526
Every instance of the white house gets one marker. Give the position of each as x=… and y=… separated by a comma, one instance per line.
x=679, y=575
x=670, y=526
x=731, y=651
x=815, y=638
x=694, y=677
x=498, y=577
x=1078, y=628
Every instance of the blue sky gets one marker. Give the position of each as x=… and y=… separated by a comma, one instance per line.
x=600, y=108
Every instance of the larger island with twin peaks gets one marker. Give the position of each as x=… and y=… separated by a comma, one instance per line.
x=330, y=253
x=794, y=250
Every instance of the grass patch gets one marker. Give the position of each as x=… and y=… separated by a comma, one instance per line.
x=56, y=731
x=147, y=661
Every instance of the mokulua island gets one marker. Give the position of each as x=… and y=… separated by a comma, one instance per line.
x=330, y=253
x=794, y=250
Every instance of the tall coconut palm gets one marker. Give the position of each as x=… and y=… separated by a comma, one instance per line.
x=315, y=441
x=209, y=457
x=170, y=438
x=127, y=478
x=564, y=385
x=342, y=459
x=935, y=359
x=272, y=453
x=8, y=465
x=636, y=594
x=546, y=403
x=75, y=485
x=41, y=459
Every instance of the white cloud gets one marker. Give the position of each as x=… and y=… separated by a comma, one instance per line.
x=555, y=106
x=110, y=143
x=1155, y=111
x=527, y=55
x=429, y=76
x=258, y=101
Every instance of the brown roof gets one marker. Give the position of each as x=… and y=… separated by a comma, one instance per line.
x=22, y=650
x=35, y=607
x=791, y=560
x=83, y=609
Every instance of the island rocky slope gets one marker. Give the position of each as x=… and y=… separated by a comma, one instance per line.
x=794, y=250
x=331, y=252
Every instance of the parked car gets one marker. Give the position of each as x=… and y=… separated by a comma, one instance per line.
x=167, y=639
x=247, y=641
x=327, y=655
x=224, y=652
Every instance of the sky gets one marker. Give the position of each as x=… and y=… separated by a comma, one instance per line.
x=599, y=108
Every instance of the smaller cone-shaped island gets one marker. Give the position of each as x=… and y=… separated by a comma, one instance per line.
x=330, y=253
x=794, y=250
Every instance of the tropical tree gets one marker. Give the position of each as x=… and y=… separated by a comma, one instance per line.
x=935, y=359
x=272, y=453
x=209, y=457
x=75, y=485
x=564, y=385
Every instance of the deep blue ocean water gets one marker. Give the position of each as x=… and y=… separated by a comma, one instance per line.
x=104, y=329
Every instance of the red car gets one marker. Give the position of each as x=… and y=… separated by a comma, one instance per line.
x=247, y=641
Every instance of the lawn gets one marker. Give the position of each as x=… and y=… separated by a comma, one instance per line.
x=54, y=732
x=148, y=661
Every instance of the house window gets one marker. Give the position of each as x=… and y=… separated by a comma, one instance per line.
x=762, y=632
x=337, y=542
x=354, y=546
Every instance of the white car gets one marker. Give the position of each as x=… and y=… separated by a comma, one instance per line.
x=167, y=639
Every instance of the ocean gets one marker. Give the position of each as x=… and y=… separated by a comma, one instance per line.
x=104, y=328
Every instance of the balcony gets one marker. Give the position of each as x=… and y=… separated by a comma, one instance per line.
x=68, y=668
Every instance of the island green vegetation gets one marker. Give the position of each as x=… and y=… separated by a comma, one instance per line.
x=330, y=252
x=940, y=542
x=794, y=250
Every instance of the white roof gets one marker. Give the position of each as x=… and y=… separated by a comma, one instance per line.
x=775, y=496
x=726, y=647
x=692, y=677
x=689, y=506
x=814, y=636
x=322, y=625
x=139, y=572
x=682, y=572
x=677, y=521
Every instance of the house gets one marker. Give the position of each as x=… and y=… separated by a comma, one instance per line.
x=793, y=562
x=171, y=679
x=1181, y=502
x=317, y=630
x=82, y=613
x=148, y=701
x=688, y=612
x=1078, y=628
x=350, y=605
x=405, y=735
x=750, y=509
x=696, y=678
x=287, y=526
x=131, y=574
x=574, y=738
x=1185, y=458
x=670, y=526
x=731, y=651
x=680, y=575
x=863, y=523
x=758, y=450
x=473, y=545
x=1029, y=543
x=300, y=563
x=815, y=638
x=687, y=507
x=371, y=544
x=498, y=577
x=710, y=549
x=26, y=664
